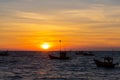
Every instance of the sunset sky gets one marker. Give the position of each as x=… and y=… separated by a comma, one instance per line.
x=80, y=24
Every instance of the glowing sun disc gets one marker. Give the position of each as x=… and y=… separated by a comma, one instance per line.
x=45, y=46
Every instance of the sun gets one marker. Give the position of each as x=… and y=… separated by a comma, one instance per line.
x=45, y=46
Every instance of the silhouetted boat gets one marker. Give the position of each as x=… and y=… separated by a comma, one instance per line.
x=62, y=55
x=88, y=54
x=84, y=53
x=107, y=63
x=4, y=53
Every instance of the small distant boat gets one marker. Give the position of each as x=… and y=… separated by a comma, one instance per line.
x=84, y=53
x=4, y=53
x=107, y=63
x=62, y=55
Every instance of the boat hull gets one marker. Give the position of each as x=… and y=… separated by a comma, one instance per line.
x=59, y=58
x=104, y=64
x=4, y=53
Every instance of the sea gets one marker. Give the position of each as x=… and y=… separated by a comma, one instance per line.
x=36, y=65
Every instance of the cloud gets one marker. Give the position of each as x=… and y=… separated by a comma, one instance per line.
x=32, y=15
x=93, y=22
x=76, y=11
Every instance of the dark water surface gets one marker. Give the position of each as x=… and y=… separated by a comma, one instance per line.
x=37, y=66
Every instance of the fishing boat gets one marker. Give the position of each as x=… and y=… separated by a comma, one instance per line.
x=62, y=55
x=4, y=53
x=107, y=63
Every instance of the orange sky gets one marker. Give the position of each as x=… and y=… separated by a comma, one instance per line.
x=81, y=25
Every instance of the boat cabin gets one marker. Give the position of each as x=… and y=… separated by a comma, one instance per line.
x=108, y=59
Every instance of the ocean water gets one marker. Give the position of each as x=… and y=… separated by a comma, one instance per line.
x=26, y=65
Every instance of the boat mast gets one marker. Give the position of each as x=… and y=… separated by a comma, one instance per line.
x=62, y=54
x=60, y=45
